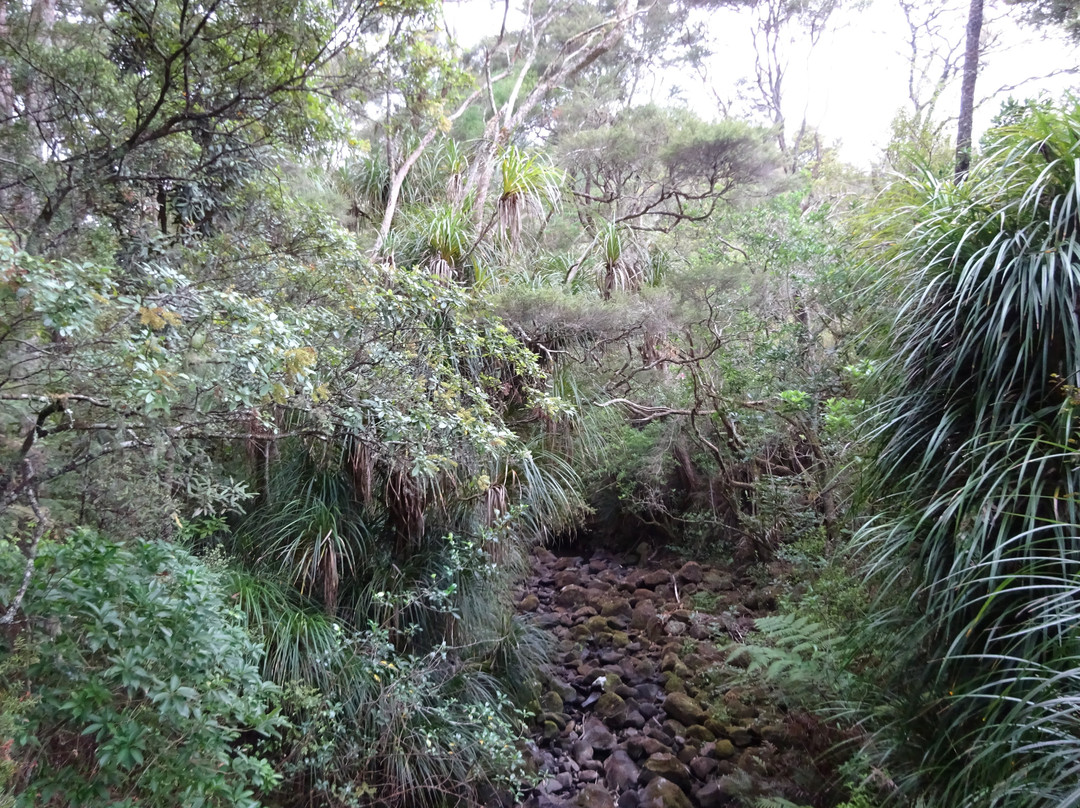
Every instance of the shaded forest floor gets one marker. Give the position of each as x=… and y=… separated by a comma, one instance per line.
x=647, y=705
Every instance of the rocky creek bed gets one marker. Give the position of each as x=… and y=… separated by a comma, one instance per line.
x=642, y=708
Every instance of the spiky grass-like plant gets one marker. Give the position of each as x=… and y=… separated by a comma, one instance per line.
x=445, y=236
x=298, y=638
x=432, y=734
x=366, y=182
x=455, y=164
x=403, y=692
x=528, y=182
x=622, y=267
x=547, y=490
x=978, y=555
x=418, y=729
x=311, y=530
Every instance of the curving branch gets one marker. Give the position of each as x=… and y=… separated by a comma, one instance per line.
x=643, y=413
x=30, y=492
x=406, y=166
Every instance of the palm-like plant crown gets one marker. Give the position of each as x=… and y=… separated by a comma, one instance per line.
x=528, y=182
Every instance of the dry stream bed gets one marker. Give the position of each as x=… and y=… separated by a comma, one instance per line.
x=641, y=708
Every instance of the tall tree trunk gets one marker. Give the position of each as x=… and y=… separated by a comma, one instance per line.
x=967, y=89
x=42, y=21
x=398, y=178
x=29, y=200
x=7, y=90
x=7, y=113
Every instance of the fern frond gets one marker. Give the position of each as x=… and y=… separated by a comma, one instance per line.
x=795, y=633
x=796, y=655
x=776, y=802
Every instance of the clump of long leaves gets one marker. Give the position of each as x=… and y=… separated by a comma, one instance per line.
x=316, y=533
x=400, y=662
x=372, y=723
x=364, y=183
x=622, y=267
x=444, y=239
x=528, y=182
x=455, y=164
x=977, y=555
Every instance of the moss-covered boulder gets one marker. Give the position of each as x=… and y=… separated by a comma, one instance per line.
x=611, y=708
x=668, y=767
x=662, y=793
x=682, y=708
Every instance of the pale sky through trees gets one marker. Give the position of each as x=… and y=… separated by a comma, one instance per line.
x=852, y=84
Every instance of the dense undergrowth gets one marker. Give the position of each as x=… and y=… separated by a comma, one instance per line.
x=288, y=395
x=942, y=630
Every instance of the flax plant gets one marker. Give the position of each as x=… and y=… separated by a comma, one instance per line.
x=445, y=239
x=976, y=557
x=622, y=267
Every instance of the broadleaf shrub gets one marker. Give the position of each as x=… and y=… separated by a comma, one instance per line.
x=143, y=683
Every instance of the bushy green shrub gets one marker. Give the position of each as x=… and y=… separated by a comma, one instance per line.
x=144, y=684
x=13, y=708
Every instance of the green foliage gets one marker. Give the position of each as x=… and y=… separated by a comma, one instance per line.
x=775, y=802
x=14, y=706
x=919, y=144
x=405, y=729
x=795, y=399
x=657, y=168
x=841, y=415
x=975, y=556
x=528, y=183
x=164, y=107
x=297, y=635
x=142, y=679
x=705, y=601
x=825, y=585
x=860, y=798
x=799, y=657
x=445, y=236
x=401, y=650
x=370, y=419
x=193, y=348
x=364, y=183
x=312, y=529
x=393, y=709
x=623, y=265
x=739, y=414
x=165, y=358
x=1063, y=13
x=780, y=515
x=163, y=339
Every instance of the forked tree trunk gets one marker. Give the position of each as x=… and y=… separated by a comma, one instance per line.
x=402, y=171
x=578, y=52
